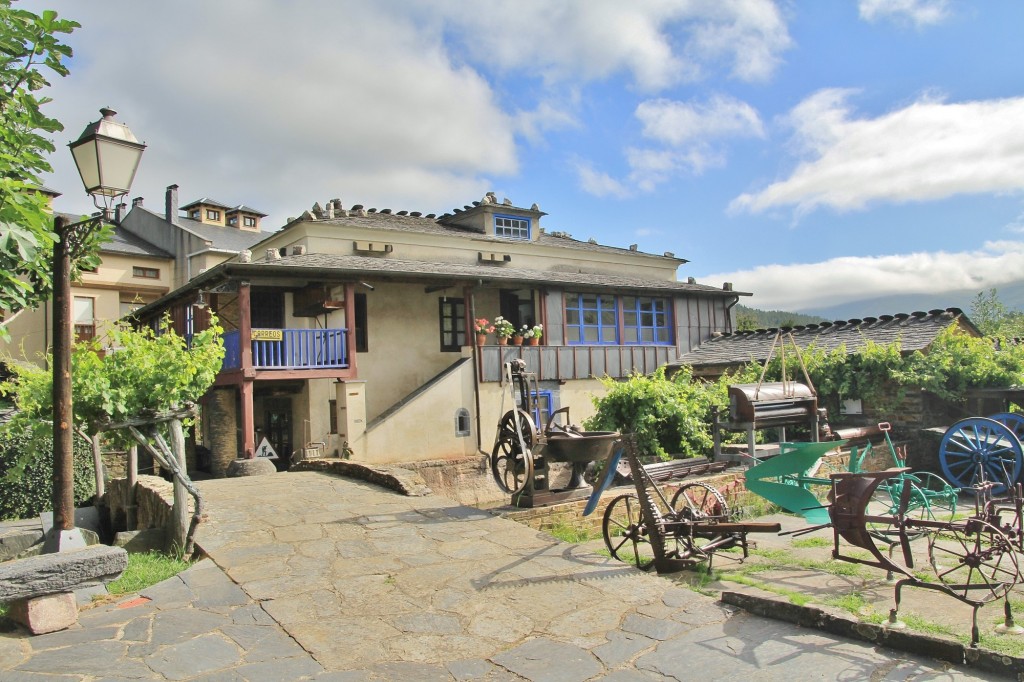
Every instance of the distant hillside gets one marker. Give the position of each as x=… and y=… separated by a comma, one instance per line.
x=767, y=319
x=1011, y=295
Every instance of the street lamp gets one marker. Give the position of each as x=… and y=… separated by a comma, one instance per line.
x=107, y=155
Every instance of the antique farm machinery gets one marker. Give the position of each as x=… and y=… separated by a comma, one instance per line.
x=976, y=560
x=522, y=454
x=980, y=449
x=648, y=529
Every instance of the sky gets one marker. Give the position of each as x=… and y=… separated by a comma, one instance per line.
x=809, y=152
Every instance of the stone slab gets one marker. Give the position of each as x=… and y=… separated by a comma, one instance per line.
x=60, y=572
x=258, y=466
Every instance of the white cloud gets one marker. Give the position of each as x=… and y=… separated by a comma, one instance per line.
x=679, y=123
x=840, y=280
x=690, y=135
x=659, y=42
x=599, y=184
x=917, y=12
x=273, y=103
x=926, y=151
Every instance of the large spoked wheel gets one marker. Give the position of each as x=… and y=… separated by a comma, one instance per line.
x=625, y=533
x=975, y=561
x=511, y=464
x=980, y=450
x=699, y=503
x=929, y=499
x=1013, y=421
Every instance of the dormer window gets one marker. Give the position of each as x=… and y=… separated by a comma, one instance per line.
x=194, y=215
x=511, y=228
x=212, y=215
x=233, y=221
x=249, y=221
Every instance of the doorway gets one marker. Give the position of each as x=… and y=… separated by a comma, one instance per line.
x=277, y=429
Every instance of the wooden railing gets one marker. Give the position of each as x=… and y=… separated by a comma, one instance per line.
x=552, y=363
x=290, y=349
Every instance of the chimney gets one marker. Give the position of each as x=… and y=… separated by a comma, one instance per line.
x=727, y=286
x=245, y=256
x=137, y=201
x=273, y=254
x=298, y=250
x=122, y=211
x=171, y=204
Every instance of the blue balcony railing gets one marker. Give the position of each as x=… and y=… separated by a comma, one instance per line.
x=290, y=349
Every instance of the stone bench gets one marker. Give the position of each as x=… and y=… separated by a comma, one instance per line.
x=40, y=589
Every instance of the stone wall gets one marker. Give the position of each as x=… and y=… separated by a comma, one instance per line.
x=154, y=499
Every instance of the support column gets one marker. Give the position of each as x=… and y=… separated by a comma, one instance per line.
x=350, y=327
x=248, y=421
x=351, y=405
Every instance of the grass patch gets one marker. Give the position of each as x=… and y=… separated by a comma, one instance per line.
x=807, y=543
x=567, y=532
x=145, y=569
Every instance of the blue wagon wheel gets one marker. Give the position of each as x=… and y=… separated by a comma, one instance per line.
x=1014, y=421
x=977, y=450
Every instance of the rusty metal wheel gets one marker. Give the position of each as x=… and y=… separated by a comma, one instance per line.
x=625, y=533
x=974, y=560
x=511, y=462
x=699, y=503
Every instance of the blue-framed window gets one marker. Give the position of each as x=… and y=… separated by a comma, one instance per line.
x=511, y=227
x=646, y=320
x=591, y=319
x=542, y=413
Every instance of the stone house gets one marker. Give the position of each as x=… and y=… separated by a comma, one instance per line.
x=148, y=255
x=350, y=330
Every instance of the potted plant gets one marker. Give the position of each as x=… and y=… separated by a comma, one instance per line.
x=483, y=328
x=534, y=333
x=503, y=329
x=520, y=334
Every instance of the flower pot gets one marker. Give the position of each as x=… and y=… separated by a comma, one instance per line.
x=481, y=339
x=517, y=340
x=502, y=340
x=535, y=341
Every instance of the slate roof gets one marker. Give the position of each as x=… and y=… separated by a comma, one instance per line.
x=323, y=264
x=220, y=237
x=125, y=242
x=205, y=201
x=379, y=220
x=247, y=209
x=914, y=331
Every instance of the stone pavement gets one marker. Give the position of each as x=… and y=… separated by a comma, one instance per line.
x=334, y=579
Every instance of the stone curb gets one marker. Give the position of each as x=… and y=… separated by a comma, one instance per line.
x=404, y=481
x=903, y=640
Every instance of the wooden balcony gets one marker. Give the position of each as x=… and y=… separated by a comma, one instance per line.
x=553, y=363
x=289, y=349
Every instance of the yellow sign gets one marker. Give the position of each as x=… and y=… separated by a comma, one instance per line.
x=267, y=334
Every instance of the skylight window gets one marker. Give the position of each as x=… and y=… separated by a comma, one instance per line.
x=511, y=228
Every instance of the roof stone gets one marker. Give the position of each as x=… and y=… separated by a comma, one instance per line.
x=914, y=331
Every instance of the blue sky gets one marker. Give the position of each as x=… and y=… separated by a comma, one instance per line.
x=809, y=152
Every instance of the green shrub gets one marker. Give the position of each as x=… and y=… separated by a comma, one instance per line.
x=32, y=493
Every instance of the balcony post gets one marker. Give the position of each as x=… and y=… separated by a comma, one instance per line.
x=350, y=327
x=245, y=360
x=245, y=327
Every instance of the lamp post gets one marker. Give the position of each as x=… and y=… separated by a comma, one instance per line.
x=107, y=155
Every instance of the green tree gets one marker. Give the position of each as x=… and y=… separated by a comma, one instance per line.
x=29, y=49
x=139, y=373
x=991, y=316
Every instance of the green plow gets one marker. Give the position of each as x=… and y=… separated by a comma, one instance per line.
x=783, y=479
